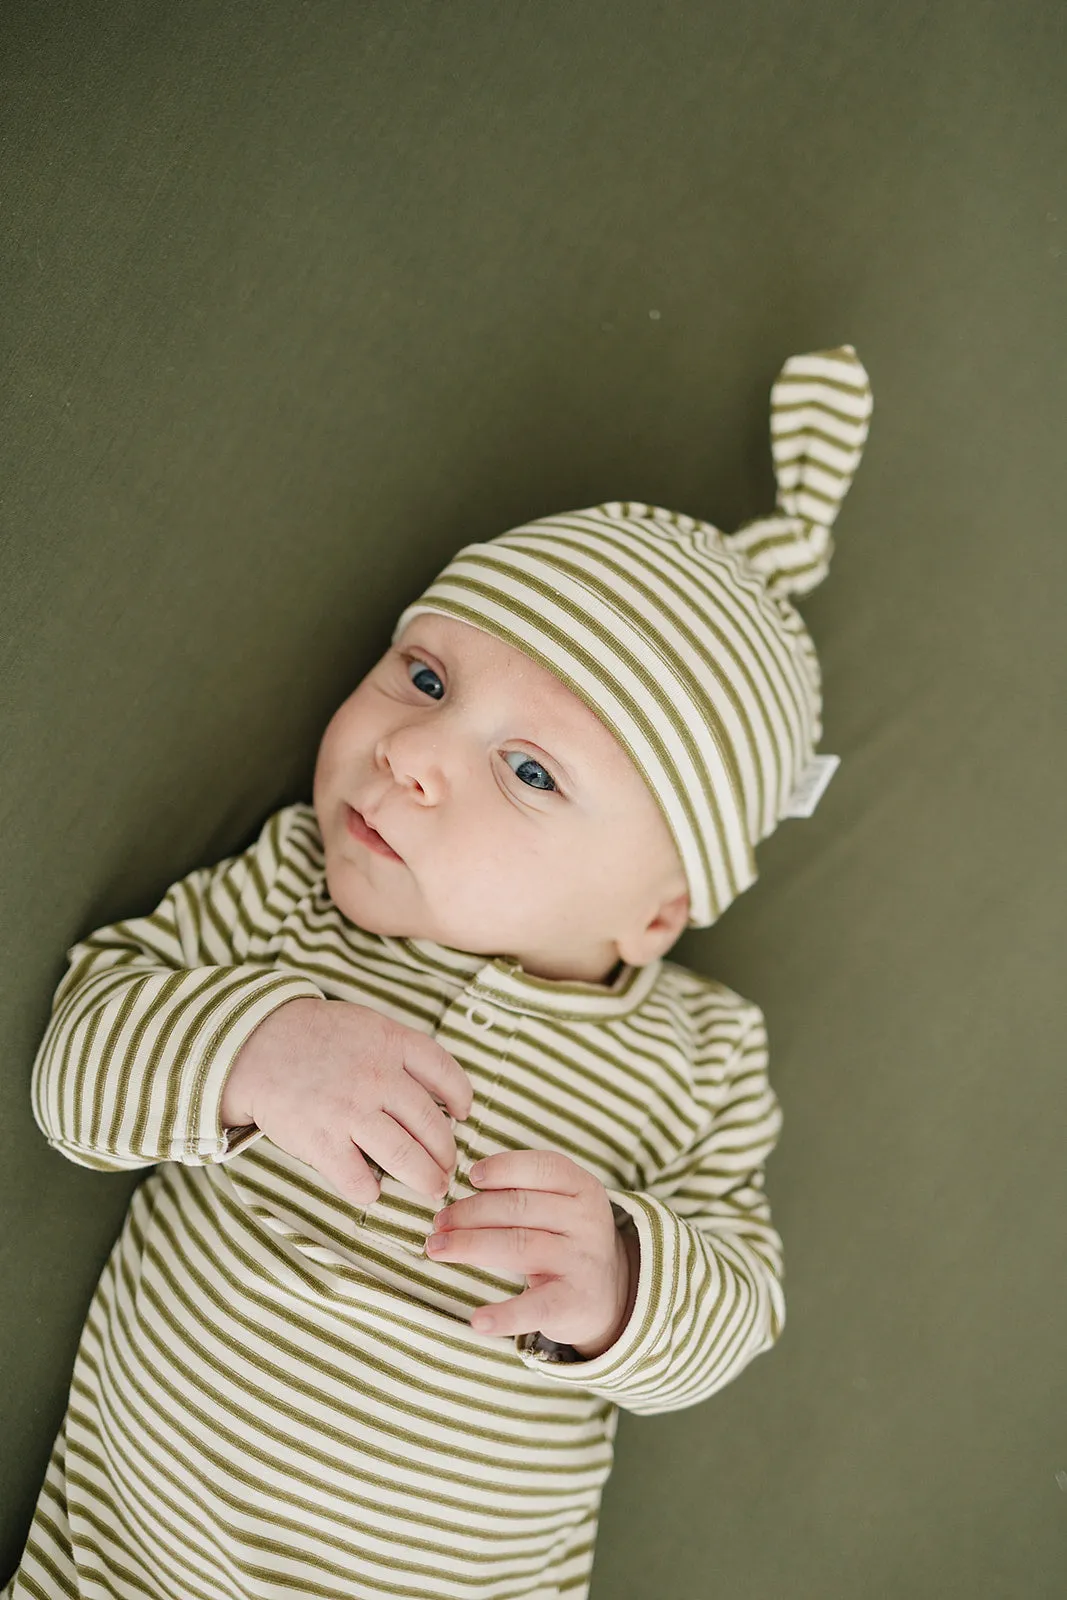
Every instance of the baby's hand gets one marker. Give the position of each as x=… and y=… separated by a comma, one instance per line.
x=541, y=1214
x=329, y=1080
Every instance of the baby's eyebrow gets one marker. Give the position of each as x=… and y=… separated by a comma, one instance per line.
x=417, y=644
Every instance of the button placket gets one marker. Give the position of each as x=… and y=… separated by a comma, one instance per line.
x=485, y=1019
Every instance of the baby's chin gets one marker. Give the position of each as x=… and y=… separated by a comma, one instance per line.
x=359, y=900
x=383, y=908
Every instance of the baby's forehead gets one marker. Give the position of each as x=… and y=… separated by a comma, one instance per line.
x=485, y=656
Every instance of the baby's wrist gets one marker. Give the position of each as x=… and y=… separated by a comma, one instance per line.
x=237, y=1108
x=268, y=1051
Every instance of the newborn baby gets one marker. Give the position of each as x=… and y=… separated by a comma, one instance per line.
x=448, y=1162
x=518, y=821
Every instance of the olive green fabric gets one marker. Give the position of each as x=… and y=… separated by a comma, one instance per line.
x=298, y=299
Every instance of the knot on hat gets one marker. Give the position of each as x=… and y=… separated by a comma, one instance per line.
x=820, y=415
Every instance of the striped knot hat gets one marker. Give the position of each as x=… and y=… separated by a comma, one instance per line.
x=682, y=639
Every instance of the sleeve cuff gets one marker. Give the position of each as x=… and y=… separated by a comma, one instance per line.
x=209, y=1143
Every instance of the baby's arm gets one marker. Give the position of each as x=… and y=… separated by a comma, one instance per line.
x=709, y=1291
x=718, y=1187
x=152, y=1012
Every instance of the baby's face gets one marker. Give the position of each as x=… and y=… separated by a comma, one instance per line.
x=523, y=827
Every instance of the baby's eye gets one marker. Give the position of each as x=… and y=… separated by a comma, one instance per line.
x=530, y=761
x=527, y=761
x=414, y=662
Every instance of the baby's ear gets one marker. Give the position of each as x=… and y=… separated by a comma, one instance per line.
x=670, y=922
x=676, y=911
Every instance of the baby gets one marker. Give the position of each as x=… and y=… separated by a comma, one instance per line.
x=449, y=1163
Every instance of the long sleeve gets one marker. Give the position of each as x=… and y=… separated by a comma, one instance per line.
x=152, y=1013
x=709, y=1296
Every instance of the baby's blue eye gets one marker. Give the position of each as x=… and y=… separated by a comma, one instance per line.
x=527, y=761
x=424, y=668
x=530, y=761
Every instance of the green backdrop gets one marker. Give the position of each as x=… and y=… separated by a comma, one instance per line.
x=296, y=299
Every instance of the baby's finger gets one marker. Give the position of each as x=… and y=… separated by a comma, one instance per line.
x=346, y=1170
x=526, y=1250
x=510, y=1208
x=439, y=1073
x=382, y=1136
x=429, y=1124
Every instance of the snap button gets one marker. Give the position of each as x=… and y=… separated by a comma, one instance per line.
x=487, y=1016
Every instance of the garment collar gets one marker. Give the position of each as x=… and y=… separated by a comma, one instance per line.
x=503, y=982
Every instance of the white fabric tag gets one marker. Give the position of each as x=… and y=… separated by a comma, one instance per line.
x=811, y=785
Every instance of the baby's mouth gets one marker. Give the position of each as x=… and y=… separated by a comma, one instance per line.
x=361, y=830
